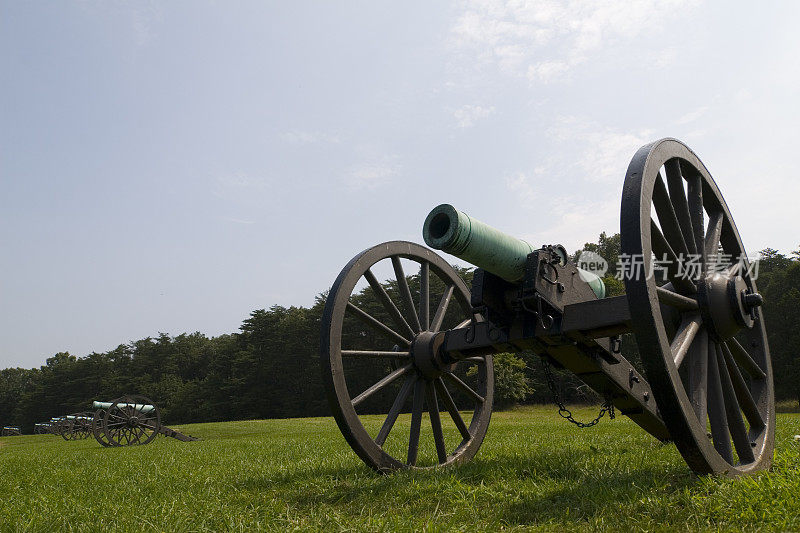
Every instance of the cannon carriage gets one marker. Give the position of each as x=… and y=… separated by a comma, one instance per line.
x=11, y=431
x=425, y=342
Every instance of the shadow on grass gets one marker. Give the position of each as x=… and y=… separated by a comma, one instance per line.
x=515, y=489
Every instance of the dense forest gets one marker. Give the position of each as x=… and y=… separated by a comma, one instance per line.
x=270, y=367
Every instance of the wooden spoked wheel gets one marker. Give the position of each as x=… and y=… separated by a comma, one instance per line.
x=131, y=420
x=65, y=429
x=370, y=366
x=82, y=426
x=97, y=428
x=700, y=331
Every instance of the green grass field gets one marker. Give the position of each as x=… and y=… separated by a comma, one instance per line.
x=534, y=471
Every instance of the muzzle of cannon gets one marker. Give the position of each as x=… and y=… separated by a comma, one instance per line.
x=424, y=341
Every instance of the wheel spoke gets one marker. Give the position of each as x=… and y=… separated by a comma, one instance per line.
x=394, y=412
x=667, y=217
x=687, y=331
x=679, y=203
x=438, y=317
x=377, y=325
x=424, y=295
x=436, y=423
x=698, y=376
x=663, y=250
x=716, y=408
x=713, y=235
x=452, y=409
x=371, y=354
x=464, y=387
x=387, y=303
x=744, y=360
x=416, y=421
x=694, y=191
x=381, y=384
x=678, y=301
x=405, y=292
x=734, y=413
x=745, y=399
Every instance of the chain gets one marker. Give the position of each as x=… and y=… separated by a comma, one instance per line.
x=562, y=409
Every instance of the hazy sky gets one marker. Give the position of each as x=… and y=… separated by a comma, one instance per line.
x=173, y=166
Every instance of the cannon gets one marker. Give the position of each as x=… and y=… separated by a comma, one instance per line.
x=42, y=428
x=130, y=420
x=11, y=431
x=54, y=426
x=77, y=426
x=426, y=341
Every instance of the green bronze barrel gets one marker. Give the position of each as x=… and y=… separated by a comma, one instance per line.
x=458, y=234
x=144, y=408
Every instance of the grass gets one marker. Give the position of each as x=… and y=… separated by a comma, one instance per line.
x=534, y=471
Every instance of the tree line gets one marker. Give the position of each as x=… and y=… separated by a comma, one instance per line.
x=270, y=368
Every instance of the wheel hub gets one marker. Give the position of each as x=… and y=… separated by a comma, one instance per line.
x=727, y=303
x=426, y=357
x=133, y=421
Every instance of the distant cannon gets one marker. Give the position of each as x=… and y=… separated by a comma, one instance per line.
x=11, y=431
x=60, y=426
x=77, y=426
x=42, y=428
x=130, y=420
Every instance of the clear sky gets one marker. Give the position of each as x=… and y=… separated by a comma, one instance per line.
x=172, y=166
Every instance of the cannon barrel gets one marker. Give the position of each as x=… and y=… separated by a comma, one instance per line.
x=453, y=231
x=144, y=408
x=458, y=234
